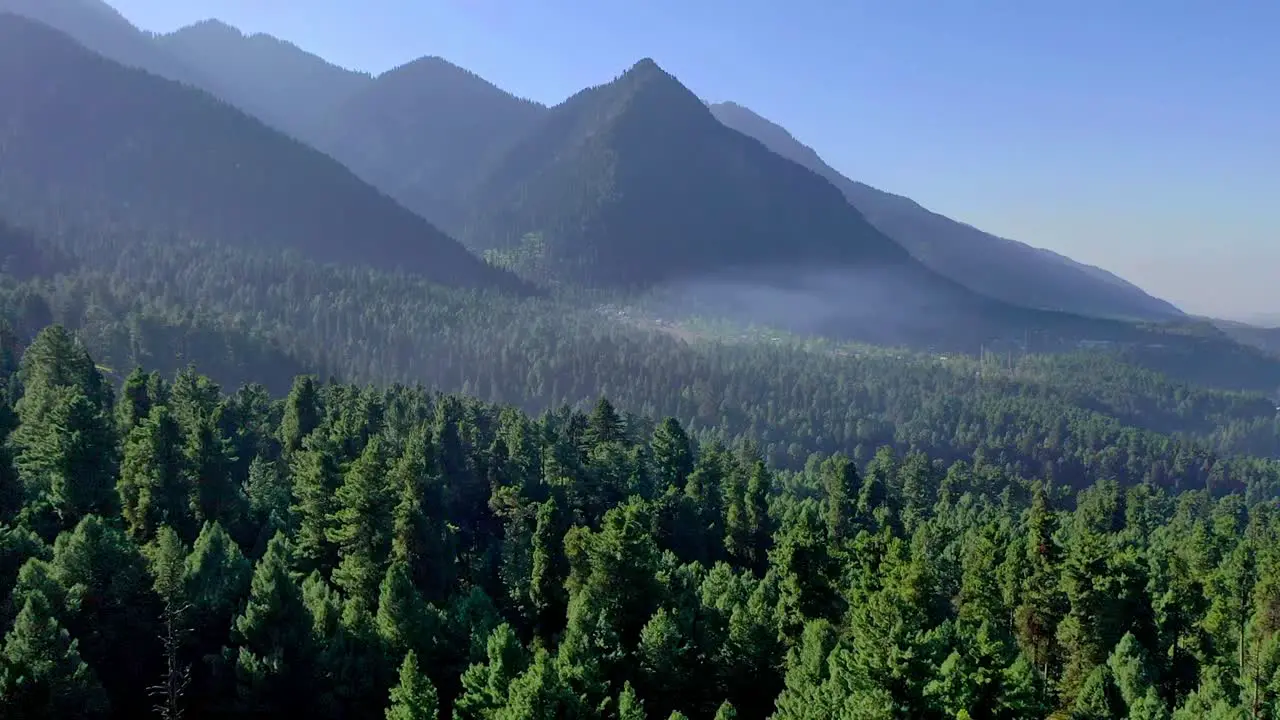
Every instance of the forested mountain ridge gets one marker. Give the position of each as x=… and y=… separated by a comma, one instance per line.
x=287, y=87
x=388, y=139
x=99, y=27
x=634, y=182
x=425, y=132
x=1001, y=268
x=90, y=143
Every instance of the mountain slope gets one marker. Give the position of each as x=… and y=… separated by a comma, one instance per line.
x=85, y=141
x=99, y=27
x=635, y=185
x=991, y=265
x=423, y=132
x=280, y=83
x=634, y=182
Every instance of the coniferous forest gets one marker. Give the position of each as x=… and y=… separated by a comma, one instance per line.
x=352, y=552
x=340, y=396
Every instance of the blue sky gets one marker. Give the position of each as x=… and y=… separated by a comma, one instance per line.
x=1142, y=136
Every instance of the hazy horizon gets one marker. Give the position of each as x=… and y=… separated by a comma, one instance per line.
x=1135, y=138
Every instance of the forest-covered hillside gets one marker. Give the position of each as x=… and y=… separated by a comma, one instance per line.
x=247, y=317
x=349, y=552
x=111, y=150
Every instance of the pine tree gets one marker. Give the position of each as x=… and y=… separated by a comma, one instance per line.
x=112, y=609
x=272, y=641
x=840, y=485
x=630, y=707
x=360, y=526
x=603, y=425
x=215, y=578
x=66, y=452
x=1097, y=697
x=540, y=693
x=141, y=392
x=672, y=454
x=268, y=492
x=486, y=686
x=420, y=536
x=55, y=358
x=547, y=574
x=167, y=555
x=42, y=674
x=153, y=484
x=302, y=414
x=1132, y=674
x=1041, y=606
x=414, y=698
x=404, y=620
x=726, y=711
x=214, y=496
x=316, y=477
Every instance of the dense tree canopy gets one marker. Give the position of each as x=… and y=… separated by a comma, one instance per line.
x=398, y=553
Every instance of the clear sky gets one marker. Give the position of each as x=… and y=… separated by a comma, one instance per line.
x=1139, y=135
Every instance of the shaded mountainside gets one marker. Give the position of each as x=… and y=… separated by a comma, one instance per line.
x=998, y=267
x=1263, y=338
x=23, y=256
x=88, y=142
x=424, y=132
x=102, y=29
x=282, y=84
x=634, y=182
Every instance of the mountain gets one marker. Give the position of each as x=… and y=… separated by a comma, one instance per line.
x=89, y=143
x=1263, y=336
x=99, y=27
x=635, y=185
x=275, y=80
x=994, y=266
x=423, y=132
x=635, y=182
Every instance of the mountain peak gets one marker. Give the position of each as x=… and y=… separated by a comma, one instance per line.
x=211, y=27
x=646, y=65
x=648, y=70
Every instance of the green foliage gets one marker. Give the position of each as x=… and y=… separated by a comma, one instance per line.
x=43, y=675
x=414, y=698
x=574, y=565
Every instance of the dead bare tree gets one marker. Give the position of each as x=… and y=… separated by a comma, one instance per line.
x=170, y=690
